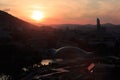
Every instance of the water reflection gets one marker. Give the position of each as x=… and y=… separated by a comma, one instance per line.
x=46, y=61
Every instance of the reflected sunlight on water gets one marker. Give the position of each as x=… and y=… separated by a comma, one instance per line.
x=46, y=61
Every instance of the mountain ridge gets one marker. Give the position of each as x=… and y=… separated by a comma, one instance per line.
x=7, y=19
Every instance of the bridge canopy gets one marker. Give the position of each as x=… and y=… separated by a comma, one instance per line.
x=69, y=52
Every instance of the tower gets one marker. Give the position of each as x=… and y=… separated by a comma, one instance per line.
x=98, y=25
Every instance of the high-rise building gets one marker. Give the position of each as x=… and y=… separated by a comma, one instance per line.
x=98, y=24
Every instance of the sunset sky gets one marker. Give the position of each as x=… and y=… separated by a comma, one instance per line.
x=65, y=11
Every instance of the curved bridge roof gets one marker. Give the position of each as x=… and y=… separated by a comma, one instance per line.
x=71, y=48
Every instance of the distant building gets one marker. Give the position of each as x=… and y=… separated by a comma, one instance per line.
x=98, y=25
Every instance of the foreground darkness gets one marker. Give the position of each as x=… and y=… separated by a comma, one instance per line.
x=23, y=44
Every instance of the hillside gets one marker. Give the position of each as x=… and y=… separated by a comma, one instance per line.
x=15, y=47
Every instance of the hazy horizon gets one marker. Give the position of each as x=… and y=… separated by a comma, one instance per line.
x=65, y=11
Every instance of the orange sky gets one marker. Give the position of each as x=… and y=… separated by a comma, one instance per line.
x=65, y=11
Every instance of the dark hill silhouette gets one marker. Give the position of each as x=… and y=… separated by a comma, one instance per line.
x=7, y=20
x=15, y=30
x=14, y=26
x=15, y=47
x=108, y=25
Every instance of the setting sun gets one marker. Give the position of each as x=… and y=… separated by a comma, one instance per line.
x=37, y=15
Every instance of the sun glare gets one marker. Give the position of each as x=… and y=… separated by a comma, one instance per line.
x=37, y=15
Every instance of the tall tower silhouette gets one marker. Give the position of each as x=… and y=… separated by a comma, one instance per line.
x=98, y=25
